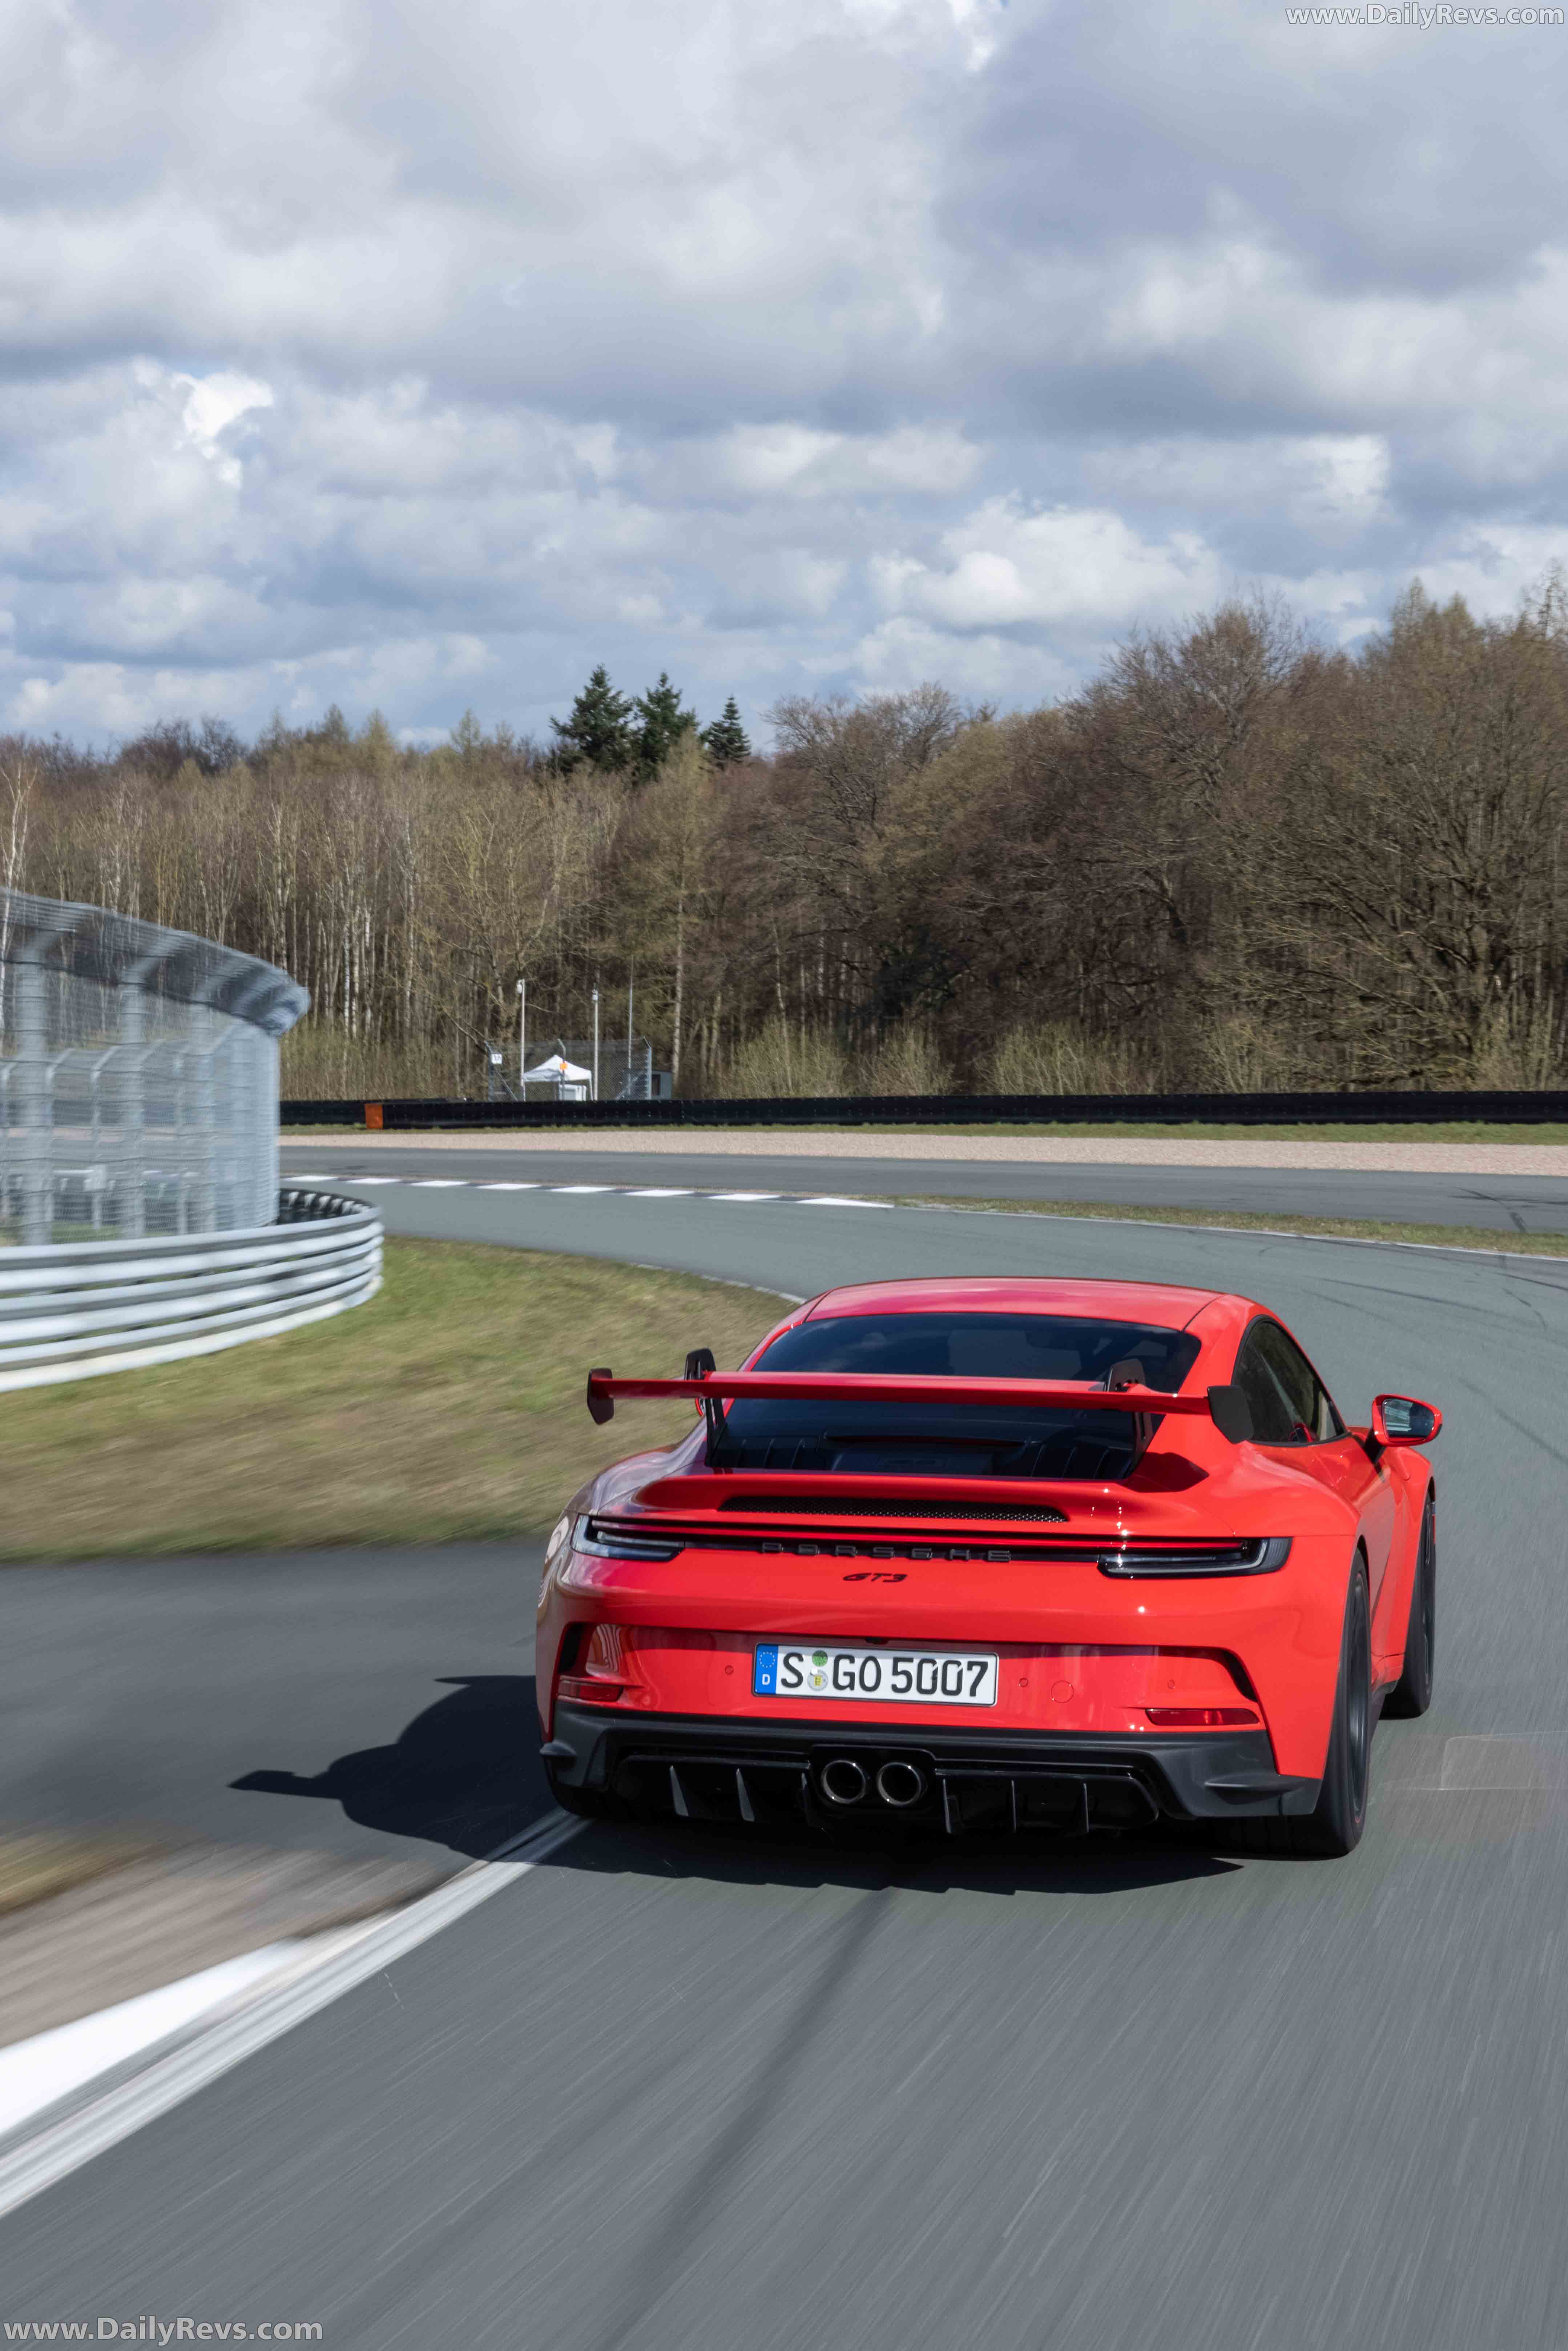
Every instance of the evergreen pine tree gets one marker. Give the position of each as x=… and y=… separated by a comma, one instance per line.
x=726, y=738
x=597, y=730
x=664, y=723
x=378, y=746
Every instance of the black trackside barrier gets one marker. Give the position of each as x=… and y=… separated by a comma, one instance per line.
x=1408, y=1109
x=322, y=1113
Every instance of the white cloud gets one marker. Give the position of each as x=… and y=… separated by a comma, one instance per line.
x=214, y=403
x=1495, y=566
x=903, y=653
x=1005, y=566
x=1321, y=479
x=790, y=459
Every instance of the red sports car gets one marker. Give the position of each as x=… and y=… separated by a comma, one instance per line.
x=997, y=1554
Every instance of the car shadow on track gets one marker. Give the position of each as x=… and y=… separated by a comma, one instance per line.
x=936, y=1864
x=465, y=1773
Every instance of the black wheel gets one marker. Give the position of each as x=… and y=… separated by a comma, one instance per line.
x=1334, y=1827
x=1412, y=1693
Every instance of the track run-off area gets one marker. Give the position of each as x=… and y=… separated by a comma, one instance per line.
x=681, y=2091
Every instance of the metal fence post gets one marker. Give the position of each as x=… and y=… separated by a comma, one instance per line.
x=202, y=1154
x=133, y=1112
x=34, y=1151
x=266, y=1158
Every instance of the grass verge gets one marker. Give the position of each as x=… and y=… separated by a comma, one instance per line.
x=32, y=1868
x=1304, y=1131
x=1343, y=1228
x=449, y=1408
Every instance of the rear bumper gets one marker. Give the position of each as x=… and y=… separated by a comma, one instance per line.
x=718, y=1768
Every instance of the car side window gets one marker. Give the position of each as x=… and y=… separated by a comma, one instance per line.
x=1273, y=1423
x=1290, y=1404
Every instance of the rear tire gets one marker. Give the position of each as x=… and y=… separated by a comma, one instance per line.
x=1412, y=1693
x=1334, y=1828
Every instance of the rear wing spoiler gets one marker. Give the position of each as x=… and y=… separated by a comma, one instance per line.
x=852, y=1387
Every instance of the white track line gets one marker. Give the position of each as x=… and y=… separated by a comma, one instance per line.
x=38, y=2073
x=51, y=2153
x=1051, y=1209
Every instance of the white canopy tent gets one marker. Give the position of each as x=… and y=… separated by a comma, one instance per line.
x=572, y=1083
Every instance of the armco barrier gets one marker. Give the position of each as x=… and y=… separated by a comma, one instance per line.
x=79, y=1308
x=958, y=1110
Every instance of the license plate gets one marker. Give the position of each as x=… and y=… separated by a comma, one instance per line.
x=885, y=1677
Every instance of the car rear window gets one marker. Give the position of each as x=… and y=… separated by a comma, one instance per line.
x=955, y=1440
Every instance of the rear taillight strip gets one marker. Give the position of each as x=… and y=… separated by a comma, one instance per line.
x=828, y=1506
x=601, y=1538
x=607, y=1539
x=1264, y=1557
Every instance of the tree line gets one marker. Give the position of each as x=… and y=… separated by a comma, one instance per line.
x=1239, y=859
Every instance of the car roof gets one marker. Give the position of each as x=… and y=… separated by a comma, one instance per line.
x=1163, y=1304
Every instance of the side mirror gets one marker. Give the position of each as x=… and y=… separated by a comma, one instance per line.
x=1403, y=1420
x=700, y=1361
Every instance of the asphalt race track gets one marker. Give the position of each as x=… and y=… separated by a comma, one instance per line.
x=685, y=2093
x=1513, y=1202
x=286, y=1704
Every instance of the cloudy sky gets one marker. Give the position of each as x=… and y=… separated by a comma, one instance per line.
x=419, y=357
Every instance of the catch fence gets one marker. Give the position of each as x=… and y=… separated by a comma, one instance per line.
x=138, y=1077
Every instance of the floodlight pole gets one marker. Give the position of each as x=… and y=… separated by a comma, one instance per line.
x=596, y=1044
x=630, y=984
x=522, y=1039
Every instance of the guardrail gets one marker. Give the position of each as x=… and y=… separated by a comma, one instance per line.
x=1380, y=1109
x=77, y=1308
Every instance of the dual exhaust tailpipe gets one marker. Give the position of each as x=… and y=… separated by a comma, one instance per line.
x=898, y=1783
